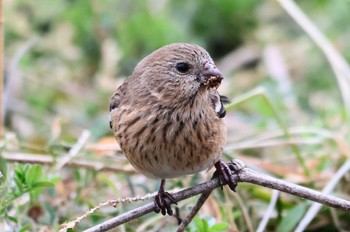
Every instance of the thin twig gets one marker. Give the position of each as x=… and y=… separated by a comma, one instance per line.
x=313, y=210
x=246, y=218
x=200, y=202
x=11, y=75
x=74, y=150
x=74, y=163
x=339, y=65
x=244, y=175
x=114, y=203
x=295, y=132
x=268, y=213
x=273, y=143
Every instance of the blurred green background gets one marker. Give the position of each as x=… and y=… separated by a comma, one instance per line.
x=64, y=59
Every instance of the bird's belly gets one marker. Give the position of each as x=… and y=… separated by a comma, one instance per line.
x=167, y=145
x=162, y=166
x=168, y=156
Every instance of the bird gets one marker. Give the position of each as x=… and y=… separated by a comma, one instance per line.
x=167, y=116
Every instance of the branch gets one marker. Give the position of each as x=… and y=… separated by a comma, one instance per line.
x=74, y=163
x=244, y=175
x=194, y=211
x=74, y=150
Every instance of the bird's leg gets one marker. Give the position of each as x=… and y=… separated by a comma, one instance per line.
x=160, y=201
x=225, y=171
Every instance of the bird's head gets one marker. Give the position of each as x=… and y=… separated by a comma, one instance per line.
x=178, y=71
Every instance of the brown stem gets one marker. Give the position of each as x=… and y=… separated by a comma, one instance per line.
x=244, y=175
x=74, y=163
x=194, y=211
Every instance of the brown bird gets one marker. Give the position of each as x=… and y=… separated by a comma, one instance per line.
x=167, y=116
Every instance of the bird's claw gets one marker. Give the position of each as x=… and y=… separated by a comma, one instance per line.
x=163, y=201
x=236, y=165
x=226, y=171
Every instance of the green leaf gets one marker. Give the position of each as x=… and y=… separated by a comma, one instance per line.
x=3, y=169
x=19, y=174
x=19, y=183
x=199, y=224
x=43, y=184
x=25, y=168
x=205, y=225
x=34, y=193
x=219, y=227
x=13, y=219
x=292, y=218
x=25, y=228
x=54, y=179
x=33, y=175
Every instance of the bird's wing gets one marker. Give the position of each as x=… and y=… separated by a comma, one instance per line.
x=113, y=105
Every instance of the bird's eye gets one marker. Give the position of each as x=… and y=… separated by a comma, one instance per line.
x=182, y=67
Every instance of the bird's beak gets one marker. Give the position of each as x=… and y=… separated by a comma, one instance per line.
x=211, y=76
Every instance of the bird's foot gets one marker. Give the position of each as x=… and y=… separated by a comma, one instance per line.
x=225, y=172
x=163, y=201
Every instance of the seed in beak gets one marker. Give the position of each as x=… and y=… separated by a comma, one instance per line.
x=211, y=76
x=213, y=82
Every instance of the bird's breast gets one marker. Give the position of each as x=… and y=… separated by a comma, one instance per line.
x=169, y=142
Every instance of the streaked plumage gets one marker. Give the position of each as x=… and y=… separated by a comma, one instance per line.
x=167, y=116
x=168, y=123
